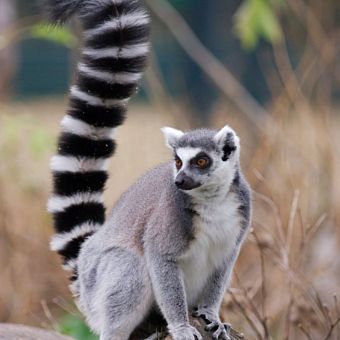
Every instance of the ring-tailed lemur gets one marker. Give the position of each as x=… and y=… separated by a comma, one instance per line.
x=172, y=239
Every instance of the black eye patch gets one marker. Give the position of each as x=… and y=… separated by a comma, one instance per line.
x=178, y=162
x=202, y=156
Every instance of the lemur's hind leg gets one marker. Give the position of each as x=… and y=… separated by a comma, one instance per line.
x=124, y=323
x=125, y=294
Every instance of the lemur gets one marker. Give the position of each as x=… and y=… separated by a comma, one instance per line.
x=172, y=239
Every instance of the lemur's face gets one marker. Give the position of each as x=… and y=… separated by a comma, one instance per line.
x=203, y=159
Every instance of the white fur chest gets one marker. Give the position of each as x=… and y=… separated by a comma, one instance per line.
x=217, y=229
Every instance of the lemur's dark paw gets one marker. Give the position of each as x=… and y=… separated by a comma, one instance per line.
x=219, y=329
x=206, y=314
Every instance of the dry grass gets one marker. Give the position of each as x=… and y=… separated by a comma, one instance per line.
x=287, y=277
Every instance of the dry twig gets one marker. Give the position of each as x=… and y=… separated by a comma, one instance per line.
x=213, y=68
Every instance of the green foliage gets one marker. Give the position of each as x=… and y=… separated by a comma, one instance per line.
x=56, y=34
x=40, y=142
x=10, y=127
x=256, y=19
x=75, y=327
x=15, y=129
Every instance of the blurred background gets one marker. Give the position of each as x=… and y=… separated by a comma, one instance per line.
x=268, y=68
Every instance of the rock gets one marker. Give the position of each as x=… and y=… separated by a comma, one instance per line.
x=20, y=332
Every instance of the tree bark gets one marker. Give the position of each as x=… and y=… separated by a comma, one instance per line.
x=150, y=327
x=8, y=54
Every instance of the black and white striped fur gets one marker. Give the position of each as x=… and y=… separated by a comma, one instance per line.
x=114, y=54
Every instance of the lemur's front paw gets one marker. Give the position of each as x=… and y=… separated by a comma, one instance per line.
x=219, y=329
x=184, y=332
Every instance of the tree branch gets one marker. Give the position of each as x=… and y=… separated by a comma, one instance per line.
x=212, y=67
x=161, y=334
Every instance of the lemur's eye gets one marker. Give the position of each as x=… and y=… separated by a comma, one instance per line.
x=202, y=162
x=178, y=163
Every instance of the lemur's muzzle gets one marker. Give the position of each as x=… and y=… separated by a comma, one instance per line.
x=184, y=182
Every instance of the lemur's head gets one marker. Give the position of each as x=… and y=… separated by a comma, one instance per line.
x=203, y=158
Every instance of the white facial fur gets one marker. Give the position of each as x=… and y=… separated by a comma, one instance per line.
x=186, y=154
x=219, y=179
x=221, y=173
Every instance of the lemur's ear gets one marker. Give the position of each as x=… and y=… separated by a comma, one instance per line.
x=228, y=141
x=171, y=136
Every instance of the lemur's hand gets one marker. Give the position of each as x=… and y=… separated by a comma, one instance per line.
x=184, y=332
x=214, y=325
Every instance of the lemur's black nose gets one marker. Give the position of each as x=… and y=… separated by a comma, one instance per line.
x=180, y=183
x=185, y=182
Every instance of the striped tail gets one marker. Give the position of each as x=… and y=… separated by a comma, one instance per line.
x=114, y=55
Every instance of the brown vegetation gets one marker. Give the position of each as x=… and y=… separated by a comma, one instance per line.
x=286, y=284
